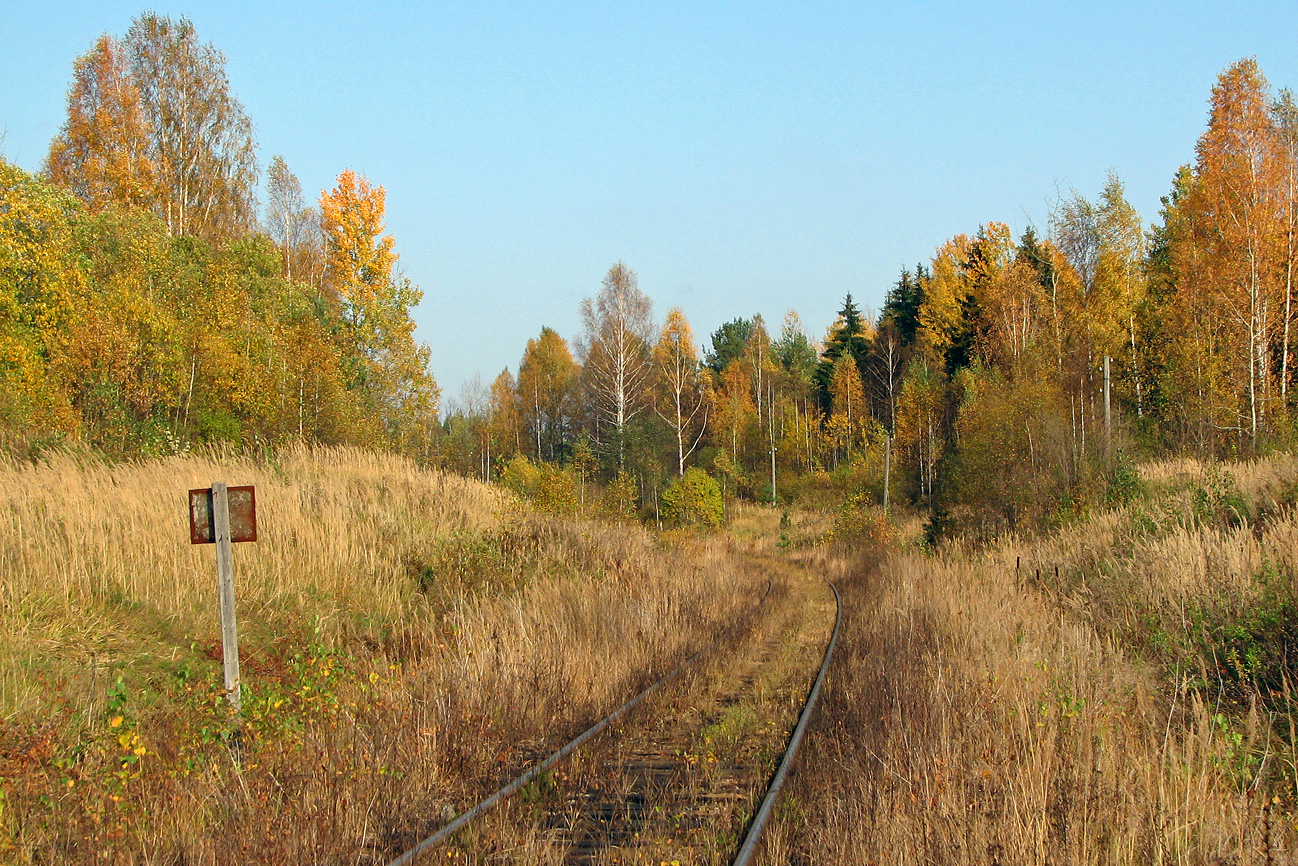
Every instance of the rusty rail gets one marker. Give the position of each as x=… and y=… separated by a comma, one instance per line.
x=412, y=856
x=749, y=847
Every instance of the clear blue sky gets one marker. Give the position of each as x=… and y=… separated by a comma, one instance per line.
x=742, y=158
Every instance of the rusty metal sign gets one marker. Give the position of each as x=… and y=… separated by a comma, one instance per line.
x=243, y=515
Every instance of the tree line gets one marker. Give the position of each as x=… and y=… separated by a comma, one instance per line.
x=146, y=307
x=1001, y=382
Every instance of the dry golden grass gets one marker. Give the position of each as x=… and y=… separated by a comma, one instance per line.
x=412, y=639
x=86, y=549
x=409, y=640
x=984, y=710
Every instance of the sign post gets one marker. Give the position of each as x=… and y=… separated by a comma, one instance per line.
x=222, y=515
x=225, y=586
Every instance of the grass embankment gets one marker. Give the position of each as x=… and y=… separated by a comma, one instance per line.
x=1118, y=691
x=405, y=637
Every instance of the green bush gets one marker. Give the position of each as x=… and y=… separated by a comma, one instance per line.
x=620, y=497
x=522, y=476
x=547, y=486
x=694, y=499
x=556, y=490
x=1124, y=482
x=1217, y=501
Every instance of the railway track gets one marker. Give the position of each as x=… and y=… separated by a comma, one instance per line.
x=676, y=772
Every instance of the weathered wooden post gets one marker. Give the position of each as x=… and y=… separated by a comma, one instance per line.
x=1108, y=415
x=223, y=515
x=887, y=468
x=773, y=496
x=225, y=588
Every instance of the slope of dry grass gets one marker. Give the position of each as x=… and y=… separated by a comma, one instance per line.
x=407, y=639
x=1106, y=694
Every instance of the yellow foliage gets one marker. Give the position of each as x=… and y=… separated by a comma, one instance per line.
x=358, y=261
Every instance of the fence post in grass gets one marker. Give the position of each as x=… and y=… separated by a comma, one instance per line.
x=222, y=515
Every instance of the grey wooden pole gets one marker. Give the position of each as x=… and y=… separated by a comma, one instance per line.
x=773, y=496
x=225, y=587
x=887, y=468
x=1108, y=416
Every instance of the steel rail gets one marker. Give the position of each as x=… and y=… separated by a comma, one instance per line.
x=495, y=799
x=749, y=847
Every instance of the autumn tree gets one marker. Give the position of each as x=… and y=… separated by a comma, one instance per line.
x=1057, y=279
x=1120, y=279
x=761, y=363
x=201, y=146
x=37, y=284
x=102, y=153
x=358, y=257
x=1237, y=217
x=547, y=376
x=920, y=427
x=797, y=358
x=506, y=432
x=940, y=317
x=848, y=418
x=384, y=359
x=734, y=414
x=465, y=441
x=1285, y=115
x=682, y=392
x=114, y=331
x=615, y=351
x=290, y=222
x=1008, y=463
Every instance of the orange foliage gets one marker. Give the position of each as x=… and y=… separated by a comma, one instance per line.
x=358, y=262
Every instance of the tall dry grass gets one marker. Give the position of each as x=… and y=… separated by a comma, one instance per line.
x=986, y=708
x=88, y=549
x=409, y=640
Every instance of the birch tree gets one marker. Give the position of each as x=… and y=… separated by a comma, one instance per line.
x=547, y=376
x=200, y=140
x=102, y=152
x=1285, y=113
x=683, y=402
x=1122, y=252
x=289, y=221
x=1237, y=216
x=615, y=351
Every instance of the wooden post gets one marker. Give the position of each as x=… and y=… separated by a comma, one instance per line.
x=773, y=496
x=225, y=587
x=887, y=468
x=1108, y=418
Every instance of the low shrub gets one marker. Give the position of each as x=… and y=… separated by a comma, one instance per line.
x=694, y=499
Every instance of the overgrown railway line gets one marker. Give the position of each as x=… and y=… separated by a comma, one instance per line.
x=686, y=762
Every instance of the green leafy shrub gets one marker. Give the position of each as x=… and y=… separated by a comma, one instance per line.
x=694, y=499
x=1124, y=482
x=522, y=477
x=1247, y=642
x=547, y=486
x=620, y=497
x=1218, y=500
